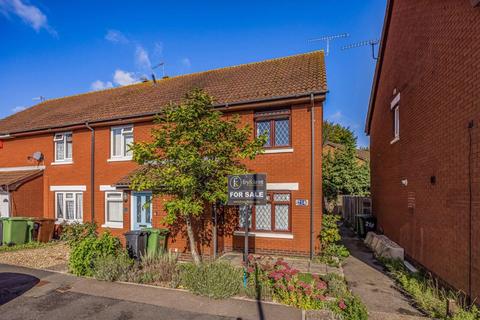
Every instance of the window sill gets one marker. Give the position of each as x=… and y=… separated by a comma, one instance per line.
x=257, y=234
x=395, y=140
x=112, y=225
x=282, y=150
x=59, y=163
x=119, y=159
x=60, y=221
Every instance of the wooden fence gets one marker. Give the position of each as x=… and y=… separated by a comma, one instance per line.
x=353, y=206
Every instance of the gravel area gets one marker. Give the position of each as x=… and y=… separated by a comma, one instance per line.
x=41, y=258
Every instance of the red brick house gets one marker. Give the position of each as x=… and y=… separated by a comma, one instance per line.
x=68, y=158
x=424, y=126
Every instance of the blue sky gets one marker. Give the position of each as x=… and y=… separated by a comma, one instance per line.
x=58, y=48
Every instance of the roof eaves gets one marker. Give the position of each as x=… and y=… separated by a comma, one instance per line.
x=378, y=68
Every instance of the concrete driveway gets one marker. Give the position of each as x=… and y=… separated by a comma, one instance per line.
x=48, y=295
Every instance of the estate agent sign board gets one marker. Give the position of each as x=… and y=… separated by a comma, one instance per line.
x=247, y=189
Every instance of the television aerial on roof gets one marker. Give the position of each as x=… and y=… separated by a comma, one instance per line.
x=161, y=64
x=371, y=43
x=327, y=39
x=39, y=98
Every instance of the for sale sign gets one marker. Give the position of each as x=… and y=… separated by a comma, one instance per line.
x=247, y=189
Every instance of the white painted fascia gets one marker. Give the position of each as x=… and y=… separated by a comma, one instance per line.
x=26, y=168
x=291, y=186
x=68, y=188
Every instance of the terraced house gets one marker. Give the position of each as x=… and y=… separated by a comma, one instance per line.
x=69, y=158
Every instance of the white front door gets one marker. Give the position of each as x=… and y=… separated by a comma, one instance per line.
x=4, y=204
x=141, y=210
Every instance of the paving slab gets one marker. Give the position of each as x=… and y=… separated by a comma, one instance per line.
x=367, y=279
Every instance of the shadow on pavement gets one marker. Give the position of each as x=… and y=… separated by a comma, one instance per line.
x=13, y=285
x=358, y=249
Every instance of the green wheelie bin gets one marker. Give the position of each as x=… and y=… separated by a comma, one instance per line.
x=1, y=229
x=16, y=231
x=157, y=241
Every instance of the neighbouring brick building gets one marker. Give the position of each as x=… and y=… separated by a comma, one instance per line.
x=424, y=124
x=68, y=158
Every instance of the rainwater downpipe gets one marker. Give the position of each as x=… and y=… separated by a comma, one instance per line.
x=92, y=170
x=470, y=213
x=312, y=175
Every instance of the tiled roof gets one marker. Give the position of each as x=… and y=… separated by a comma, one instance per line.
x=282, y=77
x=13, y=179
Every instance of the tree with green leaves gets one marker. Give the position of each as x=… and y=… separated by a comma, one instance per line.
x=342, y=174
x=337, y=133
x=192, y=151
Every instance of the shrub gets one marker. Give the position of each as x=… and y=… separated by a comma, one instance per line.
x=75, y=232
x=87, y=250
x=111, y=267
x=161, y=269
x=212, y=279
x=332, y=253
x=288, y=286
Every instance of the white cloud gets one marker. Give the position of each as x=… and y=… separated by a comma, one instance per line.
x=116, y=36
x=100, y=85
x=123, y=78
x=186, y=62
x=142, y=60
x=29, y=14
x=18, y=109
x=336, y=116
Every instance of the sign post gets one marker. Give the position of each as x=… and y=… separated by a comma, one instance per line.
x=247, y=190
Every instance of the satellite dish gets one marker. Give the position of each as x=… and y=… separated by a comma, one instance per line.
x=37, y=156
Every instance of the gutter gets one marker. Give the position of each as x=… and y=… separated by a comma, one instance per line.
x=92, y=170
x=378, y=69
x=312, y=176
x=240, y=105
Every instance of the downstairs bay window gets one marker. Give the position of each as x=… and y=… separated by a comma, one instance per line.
x=69, y=206
x=275, y=216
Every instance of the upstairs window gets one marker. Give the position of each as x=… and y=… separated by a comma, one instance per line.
x=121, y=139
x=395, y=109
x=63, y=147
x=276, y=126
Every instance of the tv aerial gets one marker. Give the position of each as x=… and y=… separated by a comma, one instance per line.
x=329, y=38
x=371, y=43
x=161, y=64
x=39, y=98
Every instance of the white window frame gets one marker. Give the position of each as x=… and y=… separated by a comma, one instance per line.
x=63, y=137
x=395, y=108
x=127, y=129
x=64, y=206
x=113, y=224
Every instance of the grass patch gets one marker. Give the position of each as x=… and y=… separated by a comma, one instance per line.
x=428, y=295
x=30, y=245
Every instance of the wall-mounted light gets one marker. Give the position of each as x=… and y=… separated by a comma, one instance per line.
x=433, y=180
x=125, y=196
x=404, y=182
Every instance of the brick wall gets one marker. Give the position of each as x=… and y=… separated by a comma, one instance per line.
x=27, y=201
x=291, y=167
x=432, y=57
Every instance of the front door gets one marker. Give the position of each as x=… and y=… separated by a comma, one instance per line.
x=141, y=210
x=4, y=204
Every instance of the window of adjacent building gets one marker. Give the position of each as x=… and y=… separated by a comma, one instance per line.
x=273, y=216
x=395, y=109
x=69, y=206
x=114, y=209
x=121, y=139
x=276, y=126
x=63, y=146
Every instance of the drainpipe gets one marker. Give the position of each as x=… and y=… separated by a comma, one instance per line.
x=312, y=176
x=470, y=213
x=92, y=170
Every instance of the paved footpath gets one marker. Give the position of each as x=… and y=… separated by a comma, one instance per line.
x=37, y=294
x=367, y=279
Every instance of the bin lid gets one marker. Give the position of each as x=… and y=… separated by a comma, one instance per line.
x=19, y=218
x=156, y=230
